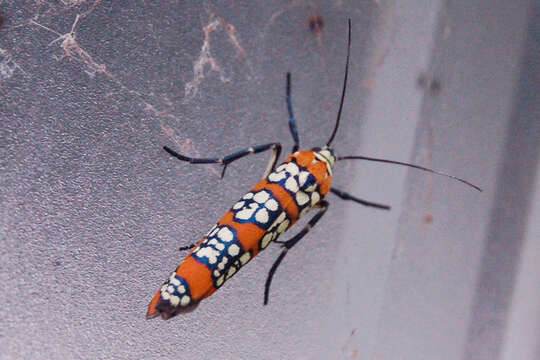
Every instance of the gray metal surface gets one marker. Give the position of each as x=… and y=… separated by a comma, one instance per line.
x=454, y=268
x=93, y=211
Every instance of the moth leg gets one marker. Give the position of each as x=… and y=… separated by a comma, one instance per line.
x=346, y=196
x=188, y=247
x=226, y=160
x=323, y=205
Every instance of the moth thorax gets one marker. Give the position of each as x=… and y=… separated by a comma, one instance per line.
x=327, y=155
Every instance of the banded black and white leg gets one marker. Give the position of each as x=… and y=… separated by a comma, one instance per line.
x=346, y=196
x=276, y=147
x=225, y=161
x=323, y=206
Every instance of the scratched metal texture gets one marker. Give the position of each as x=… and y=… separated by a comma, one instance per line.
x=93, y=210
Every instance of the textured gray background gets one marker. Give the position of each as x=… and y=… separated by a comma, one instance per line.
x=93, y=210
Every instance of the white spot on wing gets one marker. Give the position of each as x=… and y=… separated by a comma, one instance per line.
x=262, y=216
x=275, y=177
x=315, y=197
x=245, y=258
x=279, y=219
x=221, y=265
x=225, y=234
x=234, y=250
x=238, y=205
x=292, y=168
x=246, y=213
x=311, y=188
x=185, y=300
x=301, y=198
x=271, y=205
x=291, y=185
x=283, y=226
x=261, y=196
x=266, y=240
x=209, y=253
x=174, y=300
x=302, y=178
x=231, y=271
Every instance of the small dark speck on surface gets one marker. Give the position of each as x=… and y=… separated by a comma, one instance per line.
x=421, y=81
x=316, y=23
x=432, y=84
x=435, y=87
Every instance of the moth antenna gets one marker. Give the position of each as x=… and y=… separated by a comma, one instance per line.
x=410, y=165
x=344, y=88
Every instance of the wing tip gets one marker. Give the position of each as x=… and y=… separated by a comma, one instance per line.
x=160, y=307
